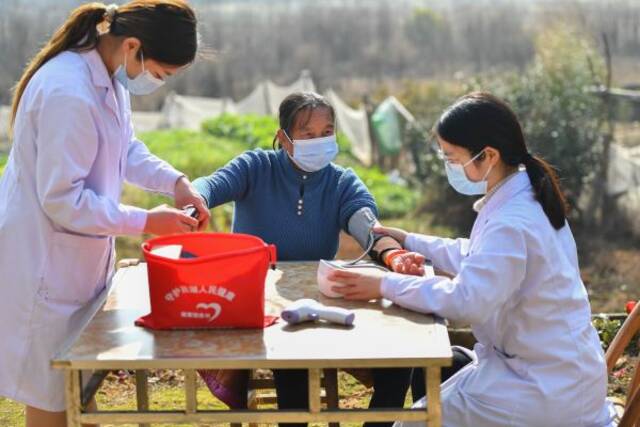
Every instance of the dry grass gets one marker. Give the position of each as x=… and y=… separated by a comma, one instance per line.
x=166, y=389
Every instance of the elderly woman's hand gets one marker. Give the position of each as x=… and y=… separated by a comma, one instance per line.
x=396, y=233
x=408, y=263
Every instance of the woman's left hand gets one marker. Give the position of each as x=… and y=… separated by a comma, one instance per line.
x=357, y=286
x=186, y=194
x=411, y=263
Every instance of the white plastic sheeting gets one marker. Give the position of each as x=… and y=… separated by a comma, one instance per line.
x=624, y=170
x=257, y=102
x=5, y=113
x=628, y=204
x=355, y=125
x=188, y=112
x=624, y=183
x=267, y=96
x=276, y=94
x=145, y=121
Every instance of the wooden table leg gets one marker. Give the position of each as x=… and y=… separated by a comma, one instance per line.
x=434, y=410
x=142, y=393
x=314, y=391
x=72, y=394
x=190, y=390
x=331, y=390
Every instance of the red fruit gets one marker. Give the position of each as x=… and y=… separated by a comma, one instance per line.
x=630, y=306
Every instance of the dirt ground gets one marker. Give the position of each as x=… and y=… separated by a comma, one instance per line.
x=611, y=272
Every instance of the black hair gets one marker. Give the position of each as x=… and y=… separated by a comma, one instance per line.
x=166, y=30
x=296, y=103
x=479, y=120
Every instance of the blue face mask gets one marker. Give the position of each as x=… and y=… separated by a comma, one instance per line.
x=143, y=84
x=314, y=154
x=459, y=181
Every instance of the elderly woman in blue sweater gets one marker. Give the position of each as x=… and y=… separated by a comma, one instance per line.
x=296, y=198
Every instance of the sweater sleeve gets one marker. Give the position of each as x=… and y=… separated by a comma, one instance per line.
x=354, y=195
x=233, y=181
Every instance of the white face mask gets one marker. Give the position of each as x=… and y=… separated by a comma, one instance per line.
x=314, y=154
x=459, y=181
x=143, y=84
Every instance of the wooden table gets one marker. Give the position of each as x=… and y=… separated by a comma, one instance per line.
x=383, y=336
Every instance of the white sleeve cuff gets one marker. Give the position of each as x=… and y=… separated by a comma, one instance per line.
x=410, y=242
x=135, y=220
x=169, y=179
x=388, y=285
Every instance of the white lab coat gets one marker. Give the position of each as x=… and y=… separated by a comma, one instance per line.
x=517, y=282
x=59, y=212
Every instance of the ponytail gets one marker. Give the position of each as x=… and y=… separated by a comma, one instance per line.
x=78, y=32
x=547, y=189
x=479, y=120
x=165, y=28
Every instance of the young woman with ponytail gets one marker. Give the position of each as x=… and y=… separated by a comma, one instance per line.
x=73, y=147
x=515, y=280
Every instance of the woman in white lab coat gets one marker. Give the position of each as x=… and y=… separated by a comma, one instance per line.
x=516, y=280
x=73, y=147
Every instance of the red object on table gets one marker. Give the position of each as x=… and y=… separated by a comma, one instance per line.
x=219, y=284
x=630, y=306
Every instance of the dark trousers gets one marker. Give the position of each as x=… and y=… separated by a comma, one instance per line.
x=389, y=390
x=418, y=386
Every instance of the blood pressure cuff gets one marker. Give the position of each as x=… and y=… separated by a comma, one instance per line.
x=359, y=228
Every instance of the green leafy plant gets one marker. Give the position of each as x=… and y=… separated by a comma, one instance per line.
x=607, y=329
x=393, y=200
x=254, y=131
x=561, y=119
x=3, y=162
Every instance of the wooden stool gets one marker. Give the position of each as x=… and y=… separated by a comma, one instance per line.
x=262, y=392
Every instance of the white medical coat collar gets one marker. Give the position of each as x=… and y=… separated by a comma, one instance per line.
x=99, y=73
x=514, y=185
x=100, y=78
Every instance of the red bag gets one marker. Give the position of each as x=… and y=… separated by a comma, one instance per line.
x=217, y=283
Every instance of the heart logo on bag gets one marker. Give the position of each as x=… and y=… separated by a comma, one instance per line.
x=215, y=308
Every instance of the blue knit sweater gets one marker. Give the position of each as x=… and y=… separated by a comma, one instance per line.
x=301, y=213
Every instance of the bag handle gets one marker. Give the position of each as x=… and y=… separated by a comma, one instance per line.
x=272, y=256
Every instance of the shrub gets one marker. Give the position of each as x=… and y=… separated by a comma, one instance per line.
x=561, y=119
x=393, y=200
x=3, y=162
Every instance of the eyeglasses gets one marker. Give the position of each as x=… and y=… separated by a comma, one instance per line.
x=435, y=147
